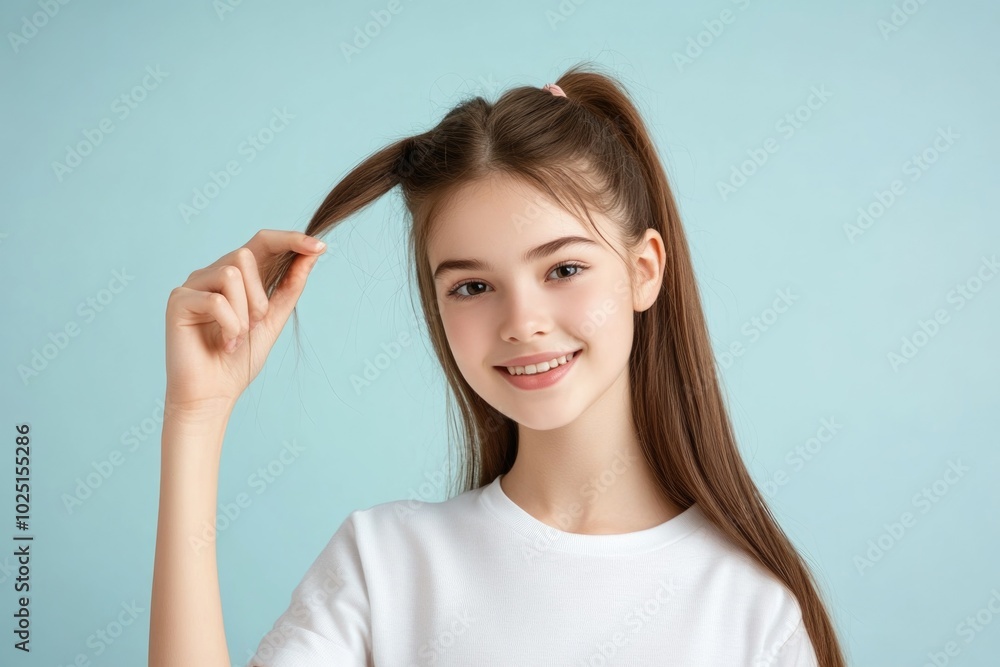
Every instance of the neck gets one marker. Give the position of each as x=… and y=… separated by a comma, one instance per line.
x=589, y=476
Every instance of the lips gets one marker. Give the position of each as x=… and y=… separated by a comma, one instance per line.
x=538, y=359
x=542, y=380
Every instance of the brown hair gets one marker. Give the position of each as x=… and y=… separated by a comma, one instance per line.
x=588, y=151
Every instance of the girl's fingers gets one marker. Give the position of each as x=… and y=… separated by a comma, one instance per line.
x=288, y=291
x=228, y=281
x=264, y=245
x=253, y=285
x=199, y=307
x=269, y=242
x=236, y=278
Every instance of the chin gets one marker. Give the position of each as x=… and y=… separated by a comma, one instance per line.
x=536, y=417
x=543, y=410
x=546, y=423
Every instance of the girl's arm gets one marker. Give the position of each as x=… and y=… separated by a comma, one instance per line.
x=220, y=326
x=186, y=625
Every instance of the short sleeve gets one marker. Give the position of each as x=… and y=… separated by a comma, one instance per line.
x=328, y=620
x=797, y=651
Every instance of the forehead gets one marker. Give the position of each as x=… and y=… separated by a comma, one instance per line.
x=500, y=216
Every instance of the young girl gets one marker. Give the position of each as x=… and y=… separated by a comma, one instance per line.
x=604, y=515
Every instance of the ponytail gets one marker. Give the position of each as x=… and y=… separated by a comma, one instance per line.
x=679, y=412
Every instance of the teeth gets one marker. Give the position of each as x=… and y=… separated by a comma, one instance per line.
x=534, y=369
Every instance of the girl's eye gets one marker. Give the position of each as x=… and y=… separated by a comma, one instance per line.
x=453, y=293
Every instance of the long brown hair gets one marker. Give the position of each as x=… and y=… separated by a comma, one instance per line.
x=588, y=151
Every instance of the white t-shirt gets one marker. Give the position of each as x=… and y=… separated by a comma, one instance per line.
x=476, y=580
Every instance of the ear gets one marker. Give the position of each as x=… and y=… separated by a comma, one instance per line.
x=648, y=263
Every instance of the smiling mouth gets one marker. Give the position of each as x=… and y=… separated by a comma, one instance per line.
x=534, y=369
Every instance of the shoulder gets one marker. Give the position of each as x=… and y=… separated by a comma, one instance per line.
x=409, y=522
x=796, y=650
x=755, y=602
x=751, y=588
x=383, y=541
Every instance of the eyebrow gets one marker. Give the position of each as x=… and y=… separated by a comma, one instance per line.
x=531, y=255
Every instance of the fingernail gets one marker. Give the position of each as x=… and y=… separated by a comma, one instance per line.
x=231, y=345
x=319, y=245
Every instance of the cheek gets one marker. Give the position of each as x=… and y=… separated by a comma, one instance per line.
x=596, y=311
x=465, y=337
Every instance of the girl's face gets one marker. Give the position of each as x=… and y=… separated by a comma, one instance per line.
x=506, y=289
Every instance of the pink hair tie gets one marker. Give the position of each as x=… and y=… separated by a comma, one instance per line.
x=554, y=89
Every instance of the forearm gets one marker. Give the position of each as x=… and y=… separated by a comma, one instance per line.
x=186, y=625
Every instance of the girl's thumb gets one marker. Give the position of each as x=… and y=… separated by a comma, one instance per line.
x=287, y=293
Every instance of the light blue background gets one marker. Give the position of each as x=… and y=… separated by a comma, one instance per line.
x=824, y=358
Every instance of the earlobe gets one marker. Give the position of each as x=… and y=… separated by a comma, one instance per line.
x=649, y=263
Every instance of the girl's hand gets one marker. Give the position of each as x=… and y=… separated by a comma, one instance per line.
x=221, y=325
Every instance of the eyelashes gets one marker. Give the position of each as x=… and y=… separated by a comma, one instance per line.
x=453, y=292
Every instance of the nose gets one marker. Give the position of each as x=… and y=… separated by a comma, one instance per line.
x=525, y=314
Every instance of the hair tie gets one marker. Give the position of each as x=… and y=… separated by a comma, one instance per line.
x=554, y=89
